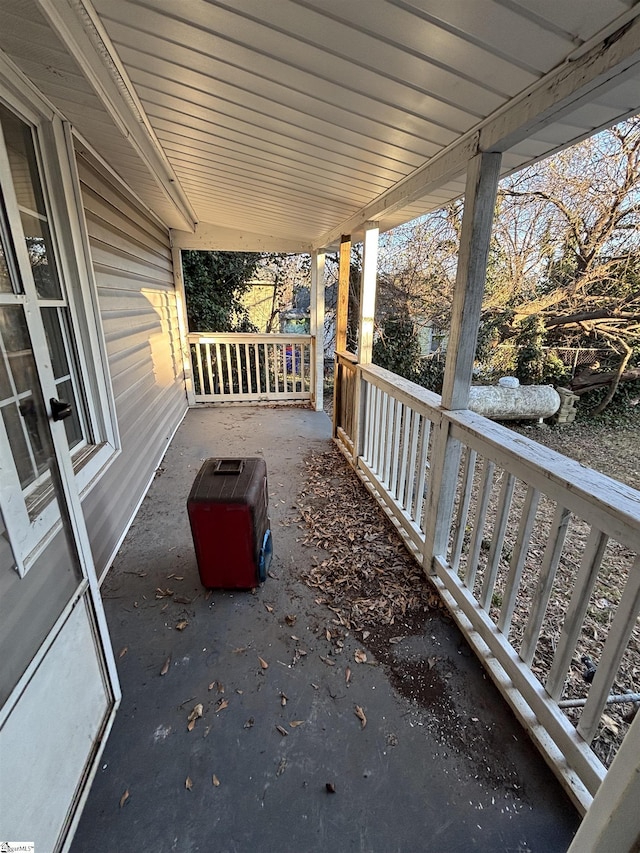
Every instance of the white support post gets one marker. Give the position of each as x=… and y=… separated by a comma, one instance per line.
x=368, y=292
x=611, y=823
x=317, y=328
x=183, y=326
x=365, y=331
x=479, y=202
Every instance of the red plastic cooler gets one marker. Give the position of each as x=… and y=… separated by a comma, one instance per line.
x=228, y=511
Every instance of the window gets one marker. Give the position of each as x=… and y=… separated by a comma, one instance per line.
x=40, y=273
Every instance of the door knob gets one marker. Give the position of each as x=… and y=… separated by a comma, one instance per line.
x=60, y=409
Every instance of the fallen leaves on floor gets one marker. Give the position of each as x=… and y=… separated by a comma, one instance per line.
x=188, y=784
x=165, y=666
x=124, y=798
x=215, y=781
x=193, y=716
x=222, y=704
x=360, y=715
x=123, y=651
x=263, y=663
x=360, y=656
x=182, y=624
x=366, y=575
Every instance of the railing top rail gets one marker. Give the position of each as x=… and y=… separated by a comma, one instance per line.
x=414, y=395
x=607, y=504
x=246, y=337
x=346, y=357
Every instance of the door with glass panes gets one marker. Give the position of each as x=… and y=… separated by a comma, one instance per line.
x=58, y=688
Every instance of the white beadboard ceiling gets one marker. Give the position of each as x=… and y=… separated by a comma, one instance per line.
x=276, y=123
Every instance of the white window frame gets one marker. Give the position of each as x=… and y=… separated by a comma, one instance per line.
x=57, y=164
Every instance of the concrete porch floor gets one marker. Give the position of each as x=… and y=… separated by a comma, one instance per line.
x=454, y=772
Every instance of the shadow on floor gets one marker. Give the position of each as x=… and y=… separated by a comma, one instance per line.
x=441, y=764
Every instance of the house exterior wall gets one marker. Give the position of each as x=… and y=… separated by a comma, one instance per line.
x=131, y=262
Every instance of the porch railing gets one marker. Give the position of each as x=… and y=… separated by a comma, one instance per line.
x=251, y=367
x=526, y=538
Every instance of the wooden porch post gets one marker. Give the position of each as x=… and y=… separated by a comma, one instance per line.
x=341, y=316
x=317, y=326
x=480, y=196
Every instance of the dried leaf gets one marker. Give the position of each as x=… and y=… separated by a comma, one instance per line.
x=249, y=723
x=124, y=798
x=219, y=687
x=222, y=704
x=360, y=656
x=347, y=675
x=281, y=767
x=164, y=593
x=609, y=723
x=432, y=662
x=269, y=608
x=123, y=651
x=164, y=607
x=212, y=685
x=327, y=634
x=328, y=661
x=175, y=577
x=188, y=784
x=365, y=634
x=215, y=781
x=291, y=619
x=360, y=715
x=282, y=730
x=273, y=575
x=182, y=599
x=283, y=699
x=331, y=788
x=193, y=716
x=182, y=624
x=239, y=650
x=165, y=666
x=395, y=640
x=263, y=663
x=295, y=723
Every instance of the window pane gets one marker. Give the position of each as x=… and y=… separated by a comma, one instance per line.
x=16, y=347
x=72, y=424
x=38, y=240
x=52, y=329
x=22, y=159
x=5, y=280
x=19, y=447
x=23, y=411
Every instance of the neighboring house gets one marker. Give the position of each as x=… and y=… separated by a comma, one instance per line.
x=130, y=132
x=259, y=301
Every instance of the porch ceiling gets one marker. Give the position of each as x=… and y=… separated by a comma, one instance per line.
x=282, y=124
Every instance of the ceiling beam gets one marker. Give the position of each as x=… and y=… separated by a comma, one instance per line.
x=78, y=26
x=578, y=80
x=208, y=237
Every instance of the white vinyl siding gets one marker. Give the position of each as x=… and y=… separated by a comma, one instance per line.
x=131, y=260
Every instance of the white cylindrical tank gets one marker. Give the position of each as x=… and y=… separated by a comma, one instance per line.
x=510, y=401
